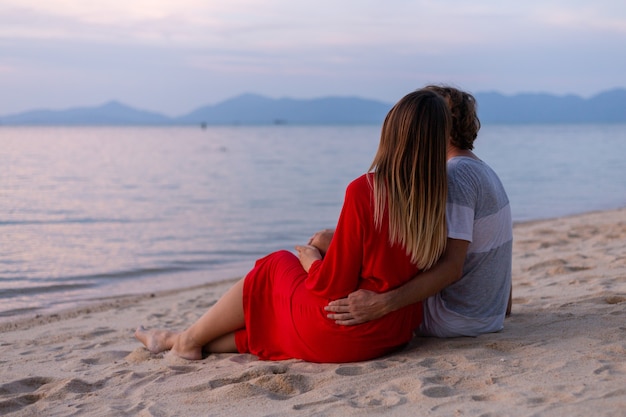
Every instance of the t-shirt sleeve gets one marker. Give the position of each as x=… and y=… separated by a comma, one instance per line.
x=461, y=202
x=338, y=274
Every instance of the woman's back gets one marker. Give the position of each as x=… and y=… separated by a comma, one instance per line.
x=359, y=256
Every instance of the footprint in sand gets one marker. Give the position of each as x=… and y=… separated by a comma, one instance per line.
x=283, y=386
x=100, y=331
x=438, y=392
x=274, y=381
x=105, y=357
x=385, y=398
x=183, y=369
x=439, y=386
x=19, y=394
x=26, y=385
x=552, y=263
x=615, y=299
x=556, y=267
x=354, y=370
x=350, y=370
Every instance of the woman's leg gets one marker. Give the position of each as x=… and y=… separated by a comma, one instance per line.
x=217, y=325
x=224, y=344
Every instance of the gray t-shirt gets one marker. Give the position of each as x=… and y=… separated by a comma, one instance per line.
x=477, y=211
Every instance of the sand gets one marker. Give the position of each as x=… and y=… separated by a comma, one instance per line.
x=562, y=352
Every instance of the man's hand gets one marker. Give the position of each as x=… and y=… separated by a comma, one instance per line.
x=321, y=240
x=307, y=255
x=359, y=307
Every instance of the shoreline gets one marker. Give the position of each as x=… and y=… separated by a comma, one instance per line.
x=561, y=352
x=34, y=316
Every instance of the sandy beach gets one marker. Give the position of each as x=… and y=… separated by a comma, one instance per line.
x=562, y=352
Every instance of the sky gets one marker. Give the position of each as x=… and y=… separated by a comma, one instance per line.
x=173, y=56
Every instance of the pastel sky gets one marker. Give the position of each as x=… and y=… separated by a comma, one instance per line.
x=173, y=56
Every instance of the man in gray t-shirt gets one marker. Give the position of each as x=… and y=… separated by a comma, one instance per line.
x=477, y=212
x=468, y=291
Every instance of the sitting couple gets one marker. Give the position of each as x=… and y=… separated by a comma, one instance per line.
x=420, y=246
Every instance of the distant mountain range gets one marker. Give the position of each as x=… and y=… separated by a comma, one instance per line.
x=252, y=109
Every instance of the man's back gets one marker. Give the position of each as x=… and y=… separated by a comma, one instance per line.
x=478, y=211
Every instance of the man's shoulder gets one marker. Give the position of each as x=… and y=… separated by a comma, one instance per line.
x=468, y=165
x=473, y=173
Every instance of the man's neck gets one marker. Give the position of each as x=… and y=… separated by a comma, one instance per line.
x=453, y=151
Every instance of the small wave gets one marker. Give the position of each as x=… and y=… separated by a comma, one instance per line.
x=207, y=264
x=235, y=250
x=18, y=311
x=75, y=282
x=134, y=273
x=42, y=289
x=241, y=253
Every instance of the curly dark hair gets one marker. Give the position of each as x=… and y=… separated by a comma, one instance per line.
x=465, y=122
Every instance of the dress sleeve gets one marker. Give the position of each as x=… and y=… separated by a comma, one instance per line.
x=338, y=274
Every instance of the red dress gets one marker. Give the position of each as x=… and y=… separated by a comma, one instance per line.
x=284, y=306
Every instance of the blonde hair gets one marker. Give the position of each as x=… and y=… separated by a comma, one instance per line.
x=410, y=175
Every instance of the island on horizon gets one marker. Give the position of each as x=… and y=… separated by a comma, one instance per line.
x=253, y=109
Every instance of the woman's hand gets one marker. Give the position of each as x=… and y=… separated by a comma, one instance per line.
x=321, y=240
x=307, y=255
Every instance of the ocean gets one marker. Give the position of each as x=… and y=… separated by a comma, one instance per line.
x=88, y=213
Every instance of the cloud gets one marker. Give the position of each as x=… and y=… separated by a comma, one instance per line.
x=115, y=49
x=284, y=25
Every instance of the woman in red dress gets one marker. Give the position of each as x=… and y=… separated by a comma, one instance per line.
x=392, y=225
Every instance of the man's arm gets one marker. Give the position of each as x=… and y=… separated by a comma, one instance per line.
x=362, y=305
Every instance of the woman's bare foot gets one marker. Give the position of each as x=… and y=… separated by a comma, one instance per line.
x=157, y=341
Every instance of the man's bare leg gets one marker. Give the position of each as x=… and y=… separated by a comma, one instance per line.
x=221, y=320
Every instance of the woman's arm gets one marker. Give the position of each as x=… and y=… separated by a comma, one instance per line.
x=315, y=249
x=338, y=273
x=307, y=255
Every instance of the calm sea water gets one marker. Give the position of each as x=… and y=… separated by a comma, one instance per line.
x=93, y=212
